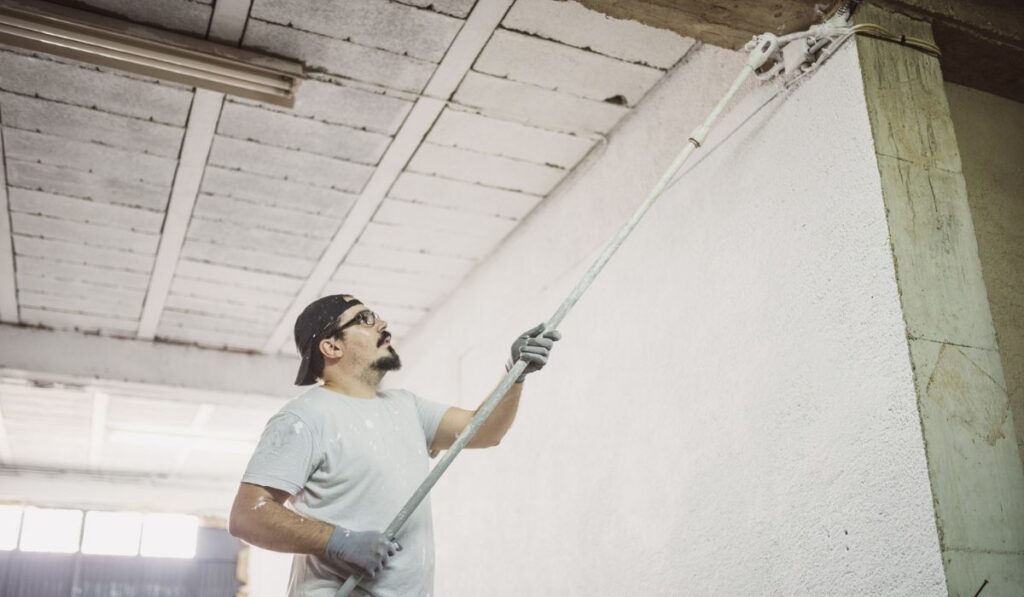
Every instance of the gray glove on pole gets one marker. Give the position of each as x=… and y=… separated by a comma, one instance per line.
x=534, y=347
x=367, y=550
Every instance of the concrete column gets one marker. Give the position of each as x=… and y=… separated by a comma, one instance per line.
x=974, y=467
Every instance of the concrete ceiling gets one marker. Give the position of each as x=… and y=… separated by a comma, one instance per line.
x=982, y=40
x=162, y=215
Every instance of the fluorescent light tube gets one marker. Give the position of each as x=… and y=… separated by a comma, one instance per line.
x=150, y=52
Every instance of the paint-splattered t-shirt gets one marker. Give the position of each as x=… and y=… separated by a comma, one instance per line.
x=354, y=462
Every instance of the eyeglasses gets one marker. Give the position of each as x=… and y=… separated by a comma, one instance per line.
x=366, y=317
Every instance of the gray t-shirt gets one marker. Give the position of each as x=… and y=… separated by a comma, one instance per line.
x=353, y=462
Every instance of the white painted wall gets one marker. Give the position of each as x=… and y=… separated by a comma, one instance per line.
x=732, y=409
x=988, y=131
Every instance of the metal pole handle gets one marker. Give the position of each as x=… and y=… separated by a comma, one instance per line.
x=758, y=56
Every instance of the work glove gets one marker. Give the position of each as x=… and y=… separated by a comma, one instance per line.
x=367, y=550
x=533, y=346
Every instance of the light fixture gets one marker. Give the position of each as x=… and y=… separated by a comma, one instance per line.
x=83, y=36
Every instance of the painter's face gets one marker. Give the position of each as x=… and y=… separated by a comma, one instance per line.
x=366, y=339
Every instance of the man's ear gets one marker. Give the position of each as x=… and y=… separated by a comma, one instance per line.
x=331, y=348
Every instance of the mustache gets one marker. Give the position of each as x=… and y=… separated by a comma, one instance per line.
x=384, y=337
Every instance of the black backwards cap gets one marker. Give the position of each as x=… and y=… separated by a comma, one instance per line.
x=314, y=320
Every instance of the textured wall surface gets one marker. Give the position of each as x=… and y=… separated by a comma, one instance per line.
x=988, y=130
x=732, y=410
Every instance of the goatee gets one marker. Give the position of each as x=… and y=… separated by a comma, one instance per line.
x=390, y=362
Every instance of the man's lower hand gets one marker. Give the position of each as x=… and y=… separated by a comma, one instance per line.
x=534, y=347
x=369, y=551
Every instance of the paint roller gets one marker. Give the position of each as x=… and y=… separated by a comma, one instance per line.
x=761, y=48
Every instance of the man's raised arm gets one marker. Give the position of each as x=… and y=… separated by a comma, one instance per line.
x=533, y=346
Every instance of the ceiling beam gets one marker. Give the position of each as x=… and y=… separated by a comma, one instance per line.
x=724, y=24
x=226, y=26
x=466, y=46
x=5, y=444
x=202, y=124
x=8, y=283
x=84, y=490
x=982, y=41
x=98, y=429
x=228, y=21
x=161, y=368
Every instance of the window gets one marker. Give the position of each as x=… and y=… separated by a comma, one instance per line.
x=169, y=535
x=10, y=525
x=55, y=531
x=104, y=533
x=112, y=533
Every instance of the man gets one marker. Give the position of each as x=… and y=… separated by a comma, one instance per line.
x=336, y=464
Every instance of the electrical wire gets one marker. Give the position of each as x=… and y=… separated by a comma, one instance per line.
x=879, y=32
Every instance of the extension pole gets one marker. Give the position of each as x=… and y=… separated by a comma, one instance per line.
x=766, y=45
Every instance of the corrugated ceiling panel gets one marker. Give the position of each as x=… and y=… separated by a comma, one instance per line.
x=84, y=211
x=244, y=313
x=404, y=213
x=559, y=67
x=85, y=124
x=238, y=234
x=381, y=24
x=89, y=177
x=536, y=106
x=188, y=16
x=408, y=261
x=455, y=8
x=245, y=213
x=485, y=169
x=86, y=86
x=188, y=332
x=484, y=134
x=380, y=296
x=230, y=294
x=411, y=238
x=338, y=57
x=86, y=185
x=278, y=129
x=99, y=159
x=338, y=101
x=573, y=24
x=290, y=164
x=277, y=192
x=256, y=260
x=455, y=194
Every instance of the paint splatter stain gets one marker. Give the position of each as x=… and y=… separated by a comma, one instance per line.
x=368, y=423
